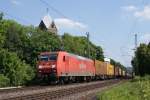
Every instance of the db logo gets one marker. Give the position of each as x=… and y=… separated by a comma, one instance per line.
x=82, y=66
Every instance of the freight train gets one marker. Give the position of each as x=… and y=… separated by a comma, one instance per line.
x=64, y=67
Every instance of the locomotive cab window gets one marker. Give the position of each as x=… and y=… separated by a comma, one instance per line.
x=53, y=57
x=43, y=58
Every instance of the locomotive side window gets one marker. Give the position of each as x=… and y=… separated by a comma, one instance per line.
x=64, y=58
x=43, y=58
x=53, y=57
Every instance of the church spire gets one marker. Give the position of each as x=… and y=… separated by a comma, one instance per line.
x=47, y=23
x=47, y=11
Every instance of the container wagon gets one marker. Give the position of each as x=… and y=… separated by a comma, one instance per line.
x=101, y=70
x=104, y=70
x=110, y=70
x=120, y=72
x=116, y=71
x=123, y=73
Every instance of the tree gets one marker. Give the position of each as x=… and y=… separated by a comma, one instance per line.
x=13, y=34
x=43, y=41
x=2, y=37
x=141, y=61
x=134, y=63
x=4, y=81
x=99, y=53
x=14, y=69
x=79, y=45
x=1, y=16
x=20, y=46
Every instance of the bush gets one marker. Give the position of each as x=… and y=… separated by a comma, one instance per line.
x=4, y=81
x=14, y=69
x=138, y=89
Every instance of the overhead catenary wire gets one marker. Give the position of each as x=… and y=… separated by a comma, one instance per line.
x=131, y=30
x=26, y=21
x=54, y=9
x=135, y=21
x=58, y=12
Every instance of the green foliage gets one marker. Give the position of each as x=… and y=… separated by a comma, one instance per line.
x=99, y=53
x=28, y=42
x=78, y=45
x=4, y=81
x=118, y=64
x=44, y=41
x=141, y=61
x=41, y=41
x=20, y=46
x=2, y=38
x=16, y=38
x=1, y=16
x=138, y=89
x=14, y=69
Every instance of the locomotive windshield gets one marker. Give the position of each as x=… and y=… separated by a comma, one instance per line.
x=53, y=57
x=48, y=57
x=43, y=58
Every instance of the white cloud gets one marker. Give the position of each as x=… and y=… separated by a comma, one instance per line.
x=67, y=23
x=145, y=38
x=144, y=14
x=15, y=2
x=129, y=8
x=138, y=12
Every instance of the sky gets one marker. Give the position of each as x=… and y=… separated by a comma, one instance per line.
x=112, y=24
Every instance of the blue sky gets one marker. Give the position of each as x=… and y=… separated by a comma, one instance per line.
x=111, y=23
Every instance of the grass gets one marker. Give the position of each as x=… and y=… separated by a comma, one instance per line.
x=136, y=89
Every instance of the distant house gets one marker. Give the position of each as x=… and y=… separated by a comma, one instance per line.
x=48, y=24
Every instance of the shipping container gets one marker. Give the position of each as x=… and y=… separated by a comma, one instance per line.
x=120, y=71
x=100, y=67
x=110, y=69
x=123, y=73
x=116, y=71
x=104, y=69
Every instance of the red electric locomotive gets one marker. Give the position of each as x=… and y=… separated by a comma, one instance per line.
x=64, y=67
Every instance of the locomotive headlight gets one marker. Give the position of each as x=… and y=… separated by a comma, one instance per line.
x=53, y=66
x=40, y=66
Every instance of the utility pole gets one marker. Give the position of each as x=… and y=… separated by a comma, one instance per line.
x=135, y=41
x=88, y=35
x=62, y=43
x=47, y=10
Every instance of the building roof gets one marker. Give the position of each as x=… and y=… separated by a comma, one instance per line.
x=47, y=20
x=48, y=24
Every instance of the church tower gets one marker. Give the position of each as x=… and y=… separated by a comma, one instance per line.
x=48, y=24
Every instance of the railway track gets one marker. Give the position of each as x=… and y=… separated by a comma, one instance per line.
x=11, y=90
x=26, y=88
x=59, y=93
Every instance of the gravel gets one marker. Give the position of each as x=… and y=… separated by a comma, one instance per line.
x=42, y=89
x=88, y=95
